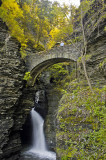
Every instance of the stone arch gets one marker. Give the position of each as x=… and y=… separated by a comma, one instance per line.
x=44, y=65
x=37, y=62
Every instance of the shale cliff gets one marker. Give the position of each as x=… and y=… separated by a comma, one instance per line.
x=12, y=70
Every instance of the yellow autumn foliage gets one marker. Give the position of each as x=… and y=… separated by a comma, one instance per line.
x=31, y=24
x=54, y=37
x=11, y=13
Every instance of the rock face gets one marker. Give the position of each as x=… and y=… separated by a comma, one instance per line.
x=12, y=71
x=70, y=131
x=41, y=105
x=95, y=34
x=53, y=97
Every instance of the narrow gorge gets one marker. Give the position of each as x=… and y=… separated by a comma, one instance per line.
x=65, y=125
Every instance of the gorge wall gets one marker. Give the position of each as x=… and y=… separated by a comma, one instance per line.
x=78, y=125
x=12, y=70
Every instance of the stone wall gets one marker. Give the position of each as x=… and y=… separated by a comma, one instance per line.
x=12, y=70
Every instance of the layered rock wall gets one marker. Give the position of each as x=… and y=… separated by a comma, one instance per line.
x=94, y=22
x=12, y=70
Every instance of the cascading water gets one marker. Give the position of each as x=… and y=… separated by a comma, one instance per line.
x=38, y=134
x=39, y=150
x=39, y=144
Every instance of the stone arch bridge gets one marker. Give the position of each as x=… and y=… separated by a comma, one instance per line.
x=37, y=62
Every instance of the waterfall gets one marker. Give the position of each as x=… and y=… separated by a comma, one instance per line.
x=39, y=148
x=38, y=134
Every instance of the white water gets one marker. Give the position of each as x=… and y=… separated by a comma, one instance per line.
x=37, y=96
x=38, y=134
x=39, y=148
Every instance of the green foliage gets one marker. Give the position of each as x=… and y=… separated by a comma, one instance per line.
x=105, y=29
x=102, y=63
x=81, y=123
x=60, y=76
x=85, y=5
x=27, y=76
x=58, y=72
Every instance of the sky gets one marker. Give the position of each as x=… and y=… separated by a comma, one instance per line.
x=74, y=2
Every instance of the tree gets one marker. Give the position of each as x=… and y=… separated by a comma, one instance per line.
x=61, y=24
x=36, y=24
x=85, y=5
x=11, y=13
